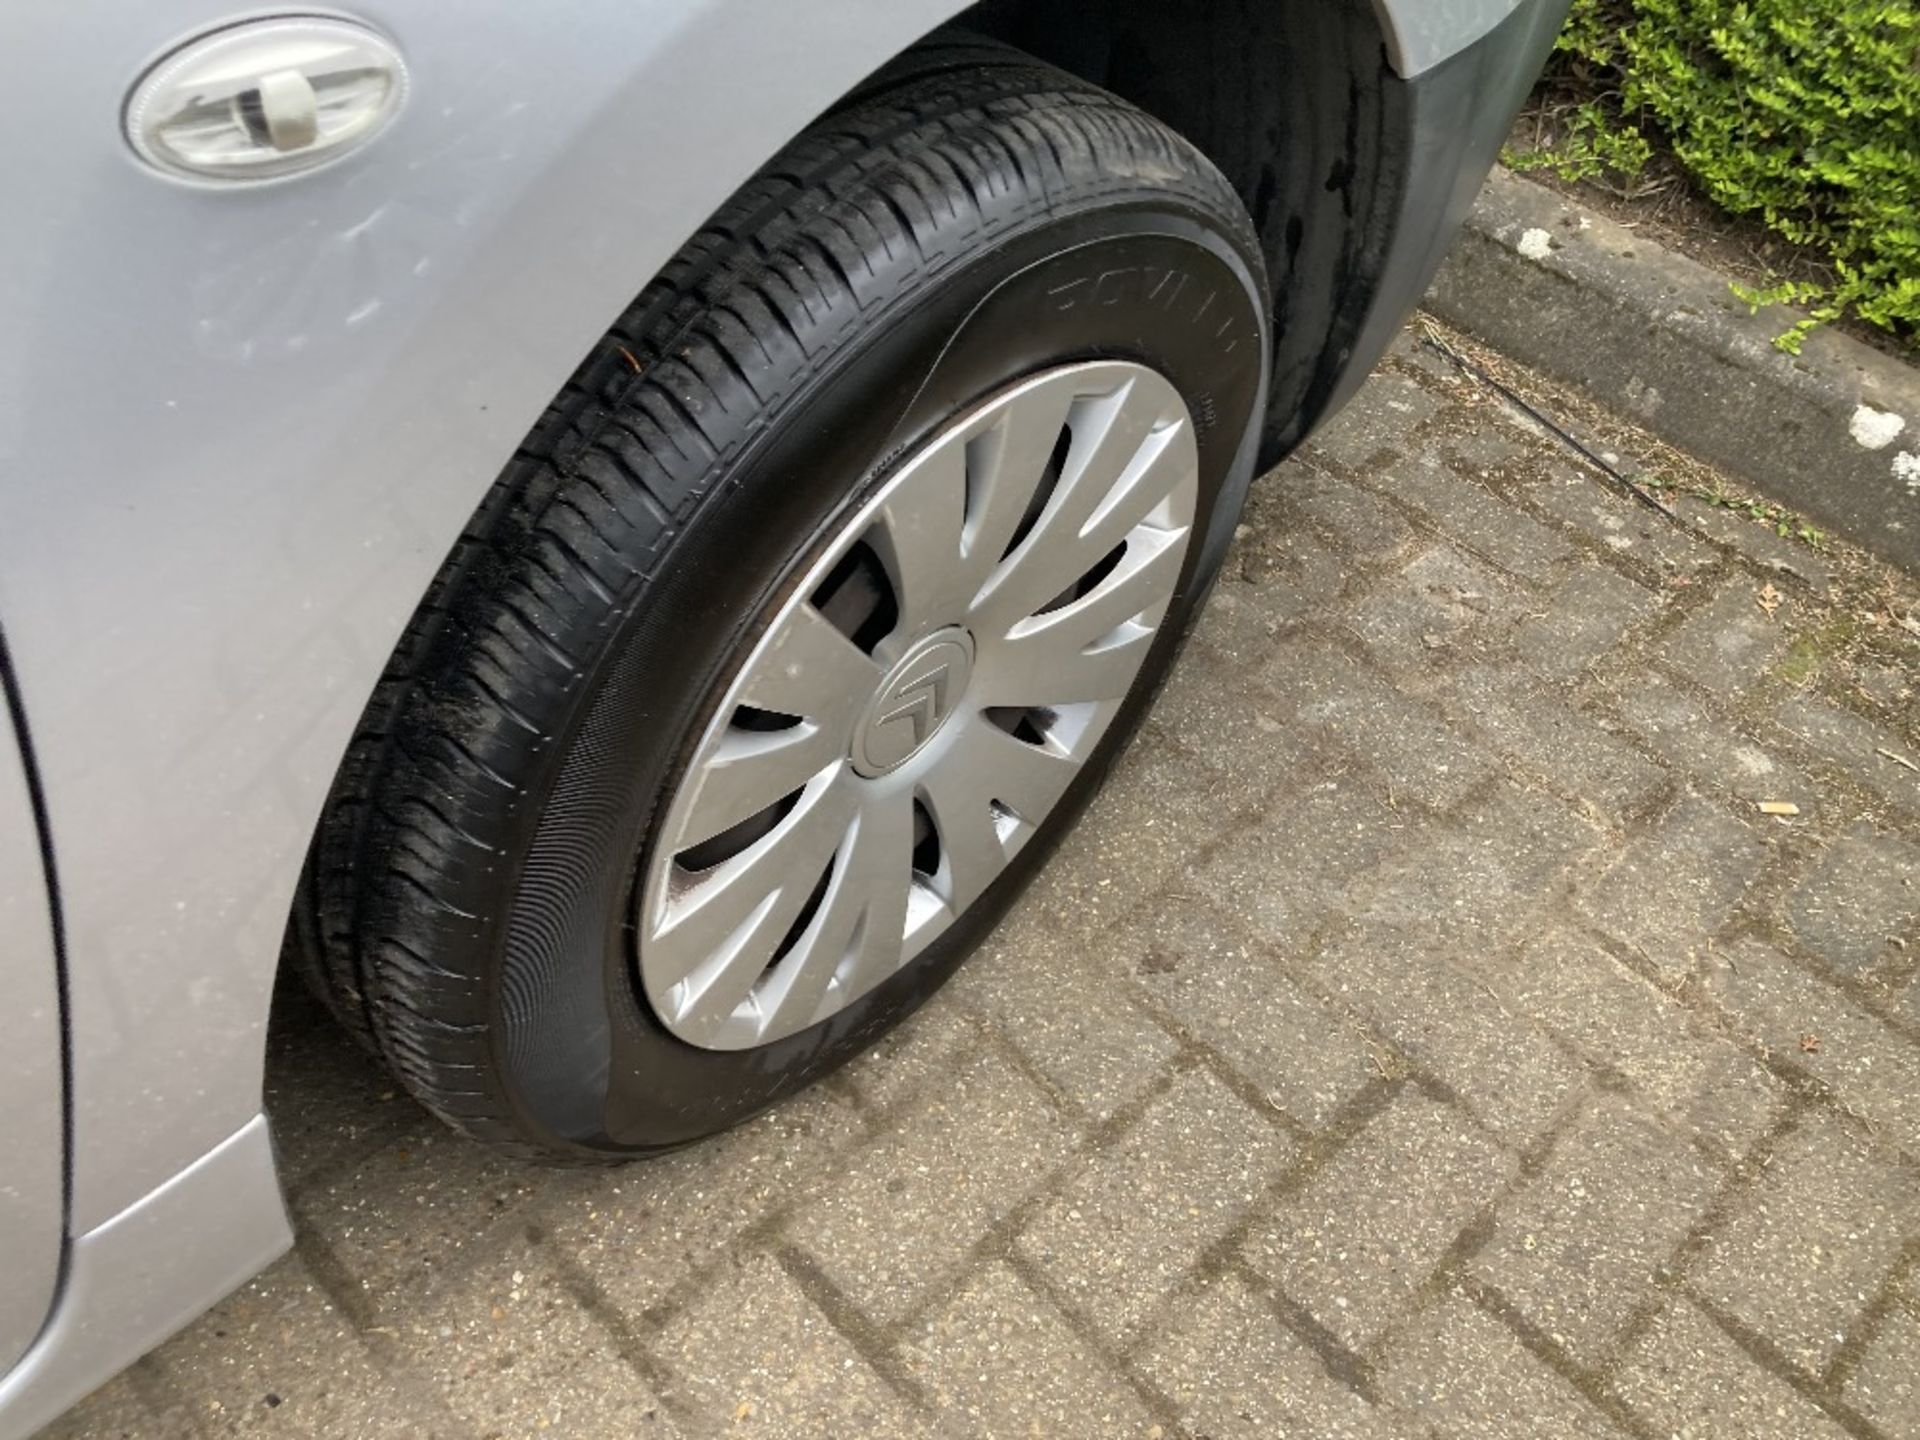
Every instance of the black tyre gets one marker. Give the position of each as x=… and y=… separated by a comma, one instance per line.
x=527, y=893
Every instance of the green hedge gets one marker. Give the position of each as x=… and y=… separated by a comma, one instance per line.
x=1805, y=113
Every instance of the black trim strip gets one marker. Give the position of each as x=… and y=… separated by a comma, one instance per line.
x=43, y=826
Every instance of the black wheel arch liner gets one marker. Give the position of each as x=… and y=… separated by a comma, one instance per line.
x=1357, y=179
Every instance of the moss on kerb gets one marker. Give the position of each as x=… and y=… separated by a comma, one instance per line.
x=1810, y=652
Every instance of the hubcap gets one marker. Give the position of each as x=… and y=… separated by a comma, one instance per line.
x=913, y=702
x=915, y=707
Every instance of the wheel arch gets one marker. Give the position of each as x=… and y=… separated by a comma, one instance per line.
x=1298, y=103
x=324, y=376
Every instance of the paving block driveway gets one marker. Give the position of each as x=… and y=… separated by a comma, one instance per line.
x=1426, y=1034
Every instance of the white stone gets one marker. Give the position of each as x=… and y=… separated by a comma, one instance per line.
x=1876, y=429
x=1906, y=466
x=1536, y=244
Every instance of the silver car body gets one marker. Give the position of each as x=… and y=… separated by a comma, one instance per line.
x=239, y=430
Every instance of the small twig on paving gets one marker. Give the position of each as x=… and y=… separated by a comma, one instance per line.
x=1865, y=1120
x=1432, y=340
x=1385, y=1062
x=1897, y=759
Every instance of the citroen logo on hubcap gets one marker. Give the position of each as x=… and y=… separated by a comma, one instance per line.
x=913, y=702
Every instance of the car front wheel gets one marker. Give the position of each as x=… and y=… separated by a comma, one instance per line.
x=804, y=623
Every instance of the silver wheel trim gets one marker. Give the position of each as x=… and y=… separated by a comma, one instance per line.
x=783, y=886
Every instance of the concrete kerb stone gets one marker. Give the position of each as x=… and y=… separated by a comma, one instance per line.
x=1833, y=432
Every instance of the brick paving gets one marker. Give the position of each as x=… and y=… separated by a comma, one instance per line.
x=1425, y=1035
